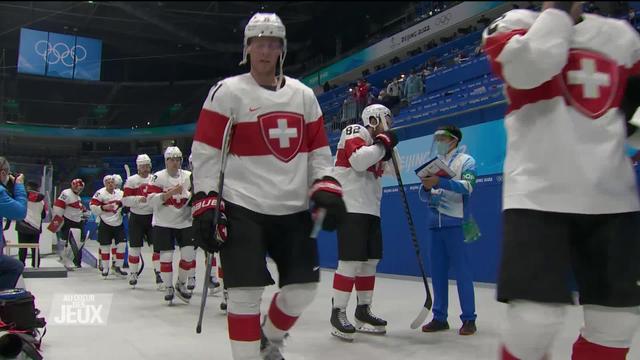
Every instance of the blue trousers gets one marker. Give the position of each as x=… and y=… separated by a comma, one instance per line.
x=448, y=249
x=10, y=271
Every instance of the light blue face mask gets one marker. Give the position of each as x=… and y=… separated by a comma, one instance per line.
x=442, y=148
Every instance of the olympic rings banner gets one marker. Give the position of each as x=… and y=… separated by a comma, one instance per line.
x=59, y=55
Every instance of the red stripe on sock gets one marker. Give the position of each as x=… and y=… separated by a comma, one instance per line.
x=166, y=267
x=278, y=318
x=113, y=251
x=583, y=349
x=244, y=327
x=506, y=355
x=134, y=259
x=343, y=283
x=220, y=273
x=105, y=256
x=119, y=256
x=192, y=264
x=365, y=283
x=155, y=256
x=213, y=261
x=184, y=265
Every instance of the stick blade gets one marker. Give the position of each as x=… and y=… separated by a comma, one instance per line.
x=422, y=316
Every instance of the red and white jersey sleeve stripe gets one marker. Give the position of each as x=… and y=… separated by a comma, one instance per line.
x=526, y=48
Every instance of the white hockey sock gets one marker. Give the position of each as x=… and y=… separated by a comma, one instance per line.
x=531, y=328
x=343, y=281
x=120, y=249
x=187, y=260
x=105, y=257
x=243, y=319
x=134, y=259
x=166, y=267
x=365, y=281
x=286, y=306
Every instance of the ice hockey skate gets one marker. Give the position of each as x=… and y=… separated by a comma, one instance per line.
x=342, y=328
x=133, y=279
x=191, y=283
x=270, y=350
x=168, y=295
x=182, y=293
x=368, y=323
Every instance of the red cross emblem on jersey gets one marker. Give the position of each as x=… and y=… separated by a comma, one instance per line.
x=590, y=82
x=283, y=133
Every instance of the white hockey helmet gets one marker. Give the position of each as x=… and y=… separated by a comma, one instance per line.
x=108, y=178
x=172, y=152
x=143, y=159
x=264, y=24
x=118, y=180
x=373, y=115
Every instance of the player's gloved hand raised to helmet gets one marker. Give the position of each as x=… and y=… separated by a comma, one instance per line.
x=204, y=234
x=326, y=193
x=389, y=140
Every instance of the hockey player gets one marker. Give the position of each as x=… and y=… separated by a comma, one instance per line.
x=67, y=215
x=279, y=157
x=140, y=216
x=569, y=197
x=107, y=205
x=361, y=159
x=169, y=194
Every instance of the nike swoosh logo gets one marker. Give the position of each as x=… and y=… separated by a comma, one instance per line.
x=316, y=268
x=253, y=109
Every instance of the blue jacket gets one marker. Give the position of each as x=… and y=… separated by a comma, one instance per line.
x=449, y=200
x=12, y=208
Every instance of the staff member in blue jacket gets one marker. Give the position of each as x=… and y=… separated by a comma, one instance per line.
x=449, y=212
x=13, y=206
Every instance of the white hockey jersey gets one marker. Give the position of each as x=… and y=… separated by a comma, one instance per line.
x=36, y=209
x=134, y=192
x=69, y=205
x=175, y=212
x=279, y=146
x=564, y=83
x=358, y=168
x=103, y=197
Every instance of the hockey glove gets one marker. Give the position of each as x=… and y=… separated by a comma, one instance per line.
x=326, y=193
x=204, y=234
x=389, y=140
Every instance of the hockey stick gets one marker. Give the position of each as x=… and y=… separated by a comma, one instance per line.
x=127, y=170
x=226, y=143
x=428, y=303
x=424, y=312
